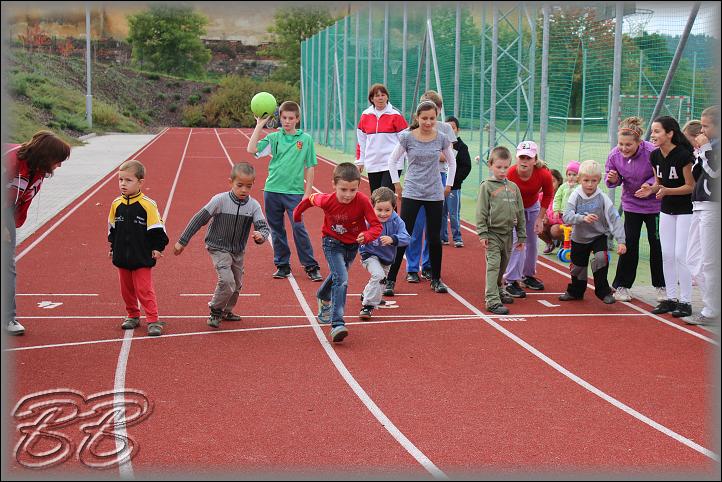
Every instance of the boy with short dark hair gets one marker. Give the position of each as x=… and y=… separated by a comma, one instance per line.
x=346, y=214
x=452, y=204
x=293, y=161
x=235, y=216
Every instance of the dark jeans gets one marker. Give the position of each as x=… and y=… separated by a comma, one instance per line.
x=278, y=205
x=409, y=210
x=600, y=267
x=339, y=256
x=627, y=264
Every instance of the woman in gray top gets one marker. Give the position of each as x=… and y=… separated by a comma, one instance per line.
x=422, y=144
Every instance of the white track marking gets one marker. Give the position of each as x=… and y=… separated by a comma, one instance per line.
x=548, y=304
x=586, y=385
x=360, y=392
x=211, y=294
x=77, y=206
x=56, y=294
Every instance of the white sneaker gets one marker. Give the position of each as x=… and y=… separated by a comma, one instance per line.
x=15, y=328
x=622, y=294
x=661, y=293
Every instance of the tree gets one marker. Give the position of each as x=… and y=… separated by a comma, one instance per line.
x=167, y=39
x=291, y=26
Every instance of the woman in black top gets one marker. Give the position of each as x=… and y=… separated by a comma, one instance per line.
x=672, y=163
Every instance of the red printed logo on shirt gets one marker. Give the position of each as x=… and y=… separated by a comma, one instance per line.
x=299, y=145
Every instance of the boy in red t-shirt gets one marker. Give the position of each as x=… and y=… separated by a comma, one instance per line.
x=346, y=211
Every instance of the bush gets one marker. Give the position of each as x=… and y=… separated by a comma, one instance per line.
x=43, y=103
x=194, y=99
x=161, y=96
x=173, y=107
x=105, y=115
x=152, y=76
x=207, y=89
x=193, y=116
x=177, y=96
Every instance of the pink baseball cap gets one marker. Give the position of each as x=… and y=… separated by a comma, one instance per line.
x=573, y=166
x=526, y=148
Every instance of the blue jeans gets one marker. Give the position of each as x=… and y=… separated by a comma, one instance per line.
x=277, y=205
x=339, y=256
x=452, y=211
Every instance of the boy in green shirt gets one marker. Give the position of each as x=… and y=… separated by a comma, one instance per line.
x=292, y=162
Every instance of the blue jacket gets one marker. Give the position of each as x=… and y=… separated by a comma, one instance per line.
x=393, y=227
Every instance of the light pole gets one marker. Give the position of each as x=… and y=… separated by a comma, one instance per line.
x=88, y=96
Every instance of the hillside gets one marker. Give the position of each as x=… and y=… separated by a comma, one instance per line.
x=48, y=91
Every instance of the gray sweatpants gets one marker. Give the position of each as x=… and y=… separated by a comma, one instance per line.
x=374, y=289
x=229, y=267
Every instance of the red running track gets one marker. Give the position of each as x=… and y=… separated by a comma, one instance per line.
x=430, y=388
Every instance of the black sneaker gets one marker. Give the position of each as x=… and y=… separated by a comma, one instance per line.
x=609, y=299
x=506, y=298
x=438, y=286
x=515, y=290
x=314, y=275
x=682, y=310
x=566, y=296
x=413, y=277
x=283, y=271
x=498, y=310
x=389, y=291
x=365, y=313
x=532, y=283
x=426, y=274
x=664, y=306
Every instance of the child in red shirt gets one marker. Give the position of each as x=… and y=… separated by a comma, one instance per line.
x=346, y=211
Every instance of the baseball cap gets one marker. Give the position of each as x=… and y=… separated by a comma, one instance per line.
x=526, y=148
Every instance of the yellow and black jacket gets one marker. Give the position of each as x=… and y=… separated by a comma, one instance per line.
x=135, y=229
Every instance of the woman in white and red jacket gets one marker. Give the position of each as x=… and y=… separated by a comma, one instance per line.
x=26, y=166
x=378, y=134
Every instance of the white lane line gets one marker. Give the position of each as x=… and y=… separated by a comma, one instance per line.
x=77, y=206
x=126, y=469
x=584, y=384
x=211, y=294
x=548, y=304
x=641, y=310
x=360, y=392
x=395, y=295
x=56, y=294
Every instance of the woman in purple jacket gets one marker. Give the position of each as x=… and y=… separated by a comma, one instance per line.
x=628, y=164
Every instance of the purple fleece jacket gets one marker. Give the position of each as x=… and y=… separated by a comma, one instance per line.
x=633, y=172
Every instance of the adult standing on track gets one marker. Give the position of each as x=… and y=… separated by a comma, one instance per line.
x=628, y=165
x=423, y=144
x=26, y=166
x=378, y=133
x=532, y=176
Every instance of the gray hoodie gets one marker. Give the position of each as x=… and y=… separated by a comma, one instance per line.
x=609, y=221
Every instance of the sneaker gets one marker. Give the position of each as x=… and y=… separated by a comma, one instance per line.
x=314, y=275
x=532, y=283
x=324, y=312
x=413, y=277
x=498, y=310
x=214, y=320
x=566, y=296
x=700, y=319
x=664, y=306
x=130, y=323
x=389, y=291
x=506, y=298
x=365, y=313
x=426, y=274
x=283, y=271
x=609, y=299
x=515, y=290
x=228, y=316
x=15, y=328
x=338, y=333
x=381, y=303
x=445, y=242
x=622, y=294
x=661, y=293
x=682, y=310
x=458, y=244
x=548, y=250
x=156, y=328
x=438, y=286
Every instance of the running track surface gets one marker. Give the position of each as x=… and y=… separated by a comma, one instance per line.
x=431, y=387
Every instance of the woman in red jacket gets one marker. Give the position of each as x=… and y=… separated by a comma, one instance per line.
x=26, y=167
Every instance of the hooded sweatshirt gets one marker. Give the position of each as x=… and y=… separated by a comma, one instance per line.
x=608, y=219
x=499, y=208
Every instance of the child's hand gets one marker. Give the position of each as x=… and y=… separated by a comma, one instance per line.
x=476, y=159
x=386, y=240
x=258, y=237
x=621, y=248
x=519, y=246
x=539, y=225
x=701, y=140
x=178, y=249
x=613, y=177
x=447, y=190
x=661, y=193
x=484, y=243
x=261, y=121
x=110, y=254
x=155, y=254
x=360, y=239
x=644, y=191
x=591, y=218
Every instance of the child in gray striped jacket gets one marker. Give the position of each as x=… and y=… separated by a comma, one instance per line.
x=235, y=216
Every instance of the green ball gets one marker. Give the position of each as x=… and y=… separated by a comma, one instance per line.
x=263, y=104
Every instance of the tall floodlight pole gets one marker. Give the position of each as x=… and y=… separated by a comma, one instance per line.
x=616, y=77
x=544, y=108
x=88, y=95
x=673, y=66
x=457, y=60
